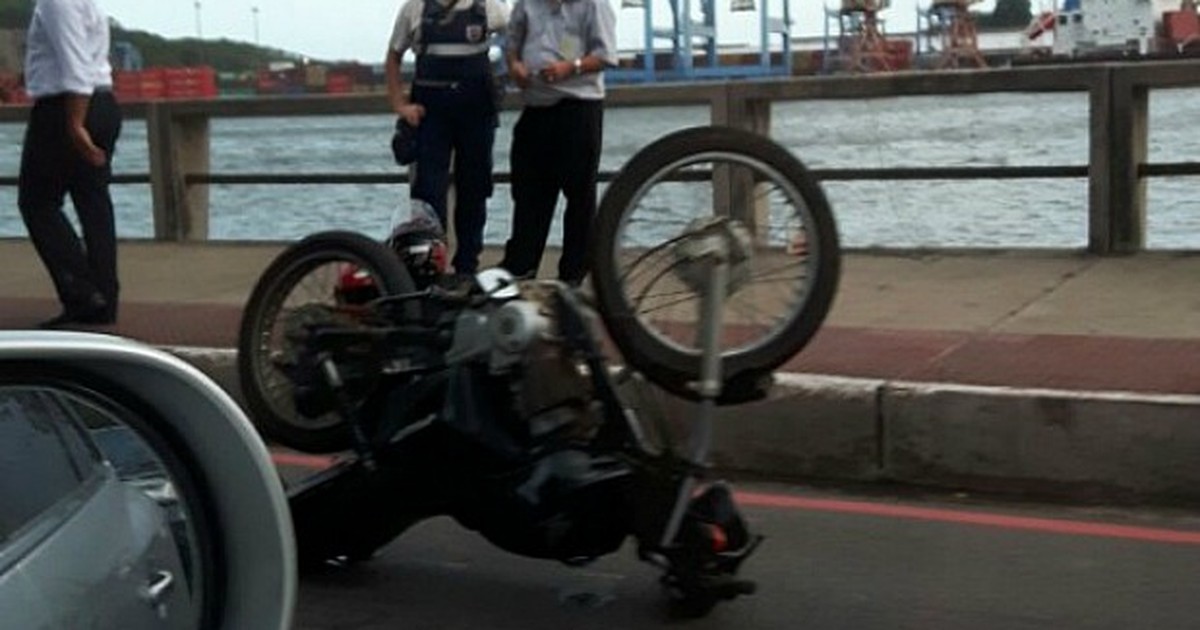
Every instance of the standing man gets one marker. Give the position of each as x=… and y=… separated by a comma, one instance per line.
x=453, y=106
x=557, y=53
x=69, y=143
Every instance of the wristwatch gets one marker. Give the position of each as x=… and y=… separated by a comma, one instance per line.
x=578, y=65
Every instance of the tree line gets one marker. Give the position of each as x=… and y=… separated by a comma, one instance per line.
x=222, y=54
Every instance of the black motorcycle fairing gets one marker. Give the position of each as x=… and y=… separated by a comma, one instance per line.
x=349, y=511
x=570, y=506
x=479, y=407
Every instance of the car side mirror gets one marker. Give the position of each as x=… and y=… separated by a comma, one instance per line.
x=134, y=493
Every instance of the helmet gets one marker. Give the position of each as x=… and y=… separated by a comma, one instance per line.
x=420, y=242
x=423, y=252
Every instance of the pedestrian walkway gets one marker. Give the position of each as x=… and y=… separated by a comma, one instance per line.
x=1039, y=319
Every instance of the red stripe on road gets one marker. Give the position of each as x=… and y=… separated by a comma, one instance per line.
x=1074, y=528
x=319, y=462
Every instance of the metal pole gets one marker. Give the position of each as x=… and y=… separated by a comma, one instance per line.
x=254, y=10
x=199, y=30
x=649, y=62
x=788, y=62
x=825, y=46
x=764, y=35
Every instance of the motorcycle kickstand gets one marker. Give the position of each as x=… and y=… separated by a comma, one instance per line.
x=349, y=411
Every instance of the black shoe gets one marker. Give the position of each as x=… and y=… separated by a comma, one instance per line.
x=102, y=317
x=61, y=320
x=99, y=313
x=97, y=310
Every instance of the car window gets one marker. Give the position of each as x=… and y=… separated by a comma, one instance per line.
x=43, y=459
x=61, y=436
x=126, y=442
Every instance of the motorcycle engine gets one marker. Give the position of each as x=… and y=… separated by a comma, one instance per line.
x=566, y=501
x=551, y=385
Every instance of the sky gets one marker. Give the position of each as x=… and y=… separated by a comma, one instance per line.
x=343, y=30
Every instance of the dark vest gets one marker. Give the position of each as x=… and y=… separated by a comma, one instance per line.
x=454, y=44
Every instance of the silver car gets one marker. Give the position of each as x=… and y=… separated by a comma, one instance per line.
x=134, y=493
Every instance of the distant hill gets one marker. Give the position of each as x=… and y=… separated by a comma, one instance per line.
x=222, y=54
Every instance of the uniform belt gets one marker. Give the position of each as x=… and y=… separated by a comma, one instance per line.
x=456, y=50
x=431, y=83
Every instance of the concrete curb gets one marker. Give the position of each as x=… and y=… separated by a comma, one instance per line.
x=1079, y=446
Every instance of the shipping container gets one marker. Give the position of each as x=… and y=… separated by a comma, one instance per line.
x=193, y=82
x=338, y=83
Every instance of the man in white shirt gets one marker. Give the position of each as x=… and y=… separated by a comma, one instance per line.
x=557, y=53
x=69, y=142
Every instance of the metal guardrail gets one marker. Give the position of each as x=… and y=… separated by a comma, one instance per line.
x=1118, y=102
x=1172, y=169
x=1166, y=169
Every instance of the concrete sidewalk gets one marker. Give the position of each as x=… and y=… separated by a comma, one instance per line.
x=1030, y=371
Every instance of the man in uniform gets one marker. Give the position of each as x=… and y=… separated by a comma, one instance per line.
x=452, y=104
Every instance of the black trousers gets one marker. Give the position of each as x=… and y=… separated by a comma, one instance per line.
x=555, y=149
x=51, y=168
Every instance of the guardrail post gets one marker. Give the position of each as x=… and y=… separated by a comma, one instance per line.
x=733, y=108
x=734, y=191
x=1119, y=145
x=178, y=145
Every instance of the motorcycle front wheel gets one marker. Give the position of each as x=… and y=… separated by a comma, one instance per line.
x=670, y=207
x=326, y=278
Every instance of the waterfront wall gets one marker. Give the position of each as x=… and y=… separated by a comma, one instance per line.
x=1118, y=95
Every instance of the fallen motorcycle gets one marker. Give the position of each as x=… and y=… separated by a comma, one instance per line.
x=490, y=399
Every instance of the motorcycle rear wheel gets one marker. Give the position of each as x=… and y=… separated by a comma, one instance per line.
x=301, y=283
x=656, y=218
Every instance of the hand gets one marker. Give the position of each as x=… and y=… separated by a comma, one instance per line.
x=82, y=141
x=519, y=74
x=412, y=113
x=557, y=71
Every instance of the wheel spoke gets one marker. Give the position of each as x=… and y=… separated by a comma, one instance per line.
x=662, y=247
x=660, y=307
x=641, y=297
x=772, y=271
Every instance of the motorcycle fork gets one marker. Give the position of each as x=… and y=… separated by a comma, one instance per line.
x=709, y=386
x=700, y=572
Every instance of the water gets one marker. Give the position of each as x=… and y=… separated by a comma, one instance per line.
x=977, y=130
